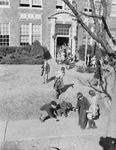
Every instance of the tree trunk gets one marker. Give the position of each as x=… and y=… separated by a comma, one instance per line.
x=111, y=126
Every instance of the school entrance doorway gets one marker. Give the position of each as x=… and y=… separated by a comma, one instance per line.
x=61, y=41
x=63, y=34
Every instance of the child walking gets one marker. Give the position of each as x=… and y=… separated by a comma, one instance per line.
x=58, y=85
x=45, y=71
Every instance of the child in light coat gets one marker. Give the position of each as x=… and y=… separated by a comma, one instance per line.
x=93, y=110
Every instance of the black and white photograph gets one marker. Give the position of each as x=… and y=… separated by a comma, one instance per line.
x=57, y=74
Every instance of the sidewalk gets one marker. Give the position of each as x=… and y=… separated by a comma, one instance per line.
x=34, y=129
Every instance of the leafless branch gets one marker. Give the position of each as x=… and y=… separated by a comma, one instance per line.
x=103, y=91
x=99, y=17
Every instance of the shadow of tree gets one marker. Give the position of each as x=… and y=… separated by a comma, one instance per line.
x=65, y=88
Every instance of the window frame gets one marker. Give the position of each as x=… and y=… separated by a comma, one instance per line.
x=63, y=6
x=5, y=6
x=8, y=32
x=31, y=5
x=31, y=33
x=24, y=35
x=40, y=39
x=112, y=12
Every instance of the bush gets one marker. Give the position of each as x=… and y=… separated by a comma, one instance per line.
x=82, y=51
x=37, y=49
x=47, y=54
x=80, y=69
x=5, y=50
x=10, y=59
x=10, y=146
x=32, y=61
x=24, y=54
x=92, y=50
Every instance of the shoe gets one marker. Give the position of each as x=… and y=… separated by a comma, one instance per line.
x=41, y=120
x=95, y=127
x=89, y=128
x=82, y=128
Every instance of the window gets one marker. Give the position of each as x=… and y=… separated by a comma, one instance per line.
x=31, y=3
x=4, y=34
x=36, y=32
x=25, y=3
x=36, y=3
x=61, y=5
x=63, y=31
x=87, y=8
x=113, y=10
x=113, y=1
x=24, y=34
x=87, y=37
x=4, y=2
x=29, y=33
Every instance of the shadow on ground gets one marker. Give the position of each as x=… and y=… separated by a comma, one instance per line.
x=65, y=88
x=51, y=79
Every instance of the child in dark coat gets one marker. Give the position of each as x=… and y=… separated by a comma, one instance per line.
x=98, y=73
x=82, y=106
x=58, y=86
x=64, y=108
x=48, y=111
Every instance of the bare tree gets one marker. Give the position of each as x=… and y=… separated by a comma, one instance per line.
x=99, y=35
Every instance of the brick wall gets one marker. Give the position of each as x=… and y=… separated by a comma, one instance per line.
x=11, y=15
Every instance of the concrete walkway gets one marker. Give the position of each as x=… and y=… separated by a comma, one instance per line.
x=34, y=129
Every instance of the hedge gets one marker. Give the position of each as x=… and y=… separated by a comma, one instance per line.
x=4, y=50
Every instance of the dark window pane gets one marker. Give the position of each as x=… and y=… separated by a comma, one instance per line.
x=39, y=6
x=24, y=5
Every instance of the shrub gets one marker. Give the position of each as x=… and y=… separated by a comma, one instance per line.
x=82, y=51
x=1, y=57
x=47, y=54
x=92, y=50
x=80, y=69
x=21, y=60
x=90, y=70
x=5, y=50
x=24, y=54
x=10, y=146
x=33, y=61
x=37, y=49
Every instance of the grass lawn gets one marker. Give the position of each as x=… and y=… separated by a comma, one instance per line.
x=22, y=93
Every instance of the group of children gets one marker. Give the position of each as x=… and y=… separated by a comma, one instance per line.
x=88, y=110
x=102, y=70
x=64, y=55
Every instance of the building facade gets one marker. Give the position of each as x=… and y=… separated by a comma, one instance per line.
x=49, y=21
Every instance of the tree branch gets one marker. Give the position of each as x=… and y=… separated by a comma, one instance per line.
x=105, y=25
x=99, y=17
x=97, y=26
x=99, y=38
